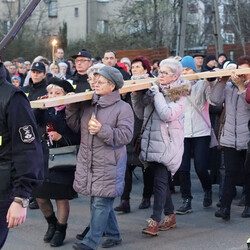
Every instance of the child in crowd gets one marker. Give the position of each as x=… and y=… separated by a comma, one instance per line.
x=16, y=80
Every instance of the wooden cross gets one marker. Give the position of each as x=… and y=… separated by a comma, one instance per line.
x=130, y=86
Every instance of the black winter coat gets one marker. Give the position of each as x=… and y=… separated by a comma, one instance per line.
x=58, y=118
x=80, y=83
x=132, y=159
x=35, y=90
x=125, y=74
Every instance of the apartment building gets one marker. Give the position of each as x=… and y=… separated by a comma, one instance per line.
x=83, y=17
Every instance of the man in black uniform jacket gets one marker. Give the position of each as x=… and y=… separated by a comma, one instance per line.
x=80, y=78
x=21, y=157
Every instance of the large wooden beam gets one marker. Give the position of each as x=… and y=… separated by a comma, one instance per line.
x=202, y=75
x=218, y=73
x=130, y=86
x=57, y=101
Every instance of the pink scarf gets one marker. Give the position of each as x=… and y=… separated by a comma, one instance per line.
x=59, y=108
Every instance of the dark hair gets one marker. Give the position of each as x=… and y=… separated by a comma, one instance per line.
x=156, y=61
x=70, y=59
x=243, y=60
x=108, y=51
x=145, y=62
x=45, y=61
x=98, y=58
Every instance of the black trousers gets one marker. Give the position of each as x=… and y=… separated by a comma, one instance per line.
x=148, y=181
x=234, y=164
x=200, y=146
x=162, y=195
x=4, y=206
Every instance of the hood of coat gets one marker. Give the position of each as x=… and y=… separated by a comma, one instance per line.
x=106, y=100
x=2, y=73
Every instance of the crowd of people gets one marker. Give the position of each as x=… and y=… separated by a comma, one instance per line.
x=175, y=120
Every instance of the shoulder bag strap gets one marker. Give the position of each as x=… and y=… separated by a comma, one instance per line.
x=144, y=127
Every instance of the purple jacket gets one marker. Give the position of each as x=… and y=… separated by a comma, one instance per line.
x=101, y=160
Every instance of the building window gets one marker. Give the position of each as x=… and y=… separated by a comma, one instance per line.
x=229, y=38
x=53, y=8
x=6, y=26
x=102, y=26
x=76, y=12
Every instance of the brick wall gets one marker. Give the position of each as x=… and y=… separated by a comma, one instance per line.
x=236, y=48
x=159, y=53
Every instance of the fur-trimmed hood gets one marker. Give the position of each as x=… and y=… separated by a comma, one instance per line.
x=175, y=93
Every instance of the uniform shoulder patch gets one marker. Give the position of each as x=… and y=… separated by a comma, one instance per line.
x=27, y=134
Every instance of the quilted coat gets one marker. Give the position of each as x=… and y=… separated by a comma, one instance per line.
x=163, y=138
x=235, y=133
x=101, y=160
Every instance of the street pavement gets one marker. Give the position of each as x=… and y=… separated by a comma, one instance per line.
x=198, y=230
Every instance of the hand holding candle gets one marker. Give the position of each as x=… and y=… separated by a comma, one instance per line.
x=94, y=126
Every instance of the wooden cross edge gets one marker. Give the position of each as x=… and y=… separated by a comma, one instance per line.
x=130, y=86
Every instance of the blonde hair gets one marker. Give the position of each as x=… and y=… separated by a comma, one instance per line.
x=50, y=86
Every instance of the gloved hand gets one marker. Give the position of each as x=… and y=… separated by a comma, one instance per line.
x=154, y=89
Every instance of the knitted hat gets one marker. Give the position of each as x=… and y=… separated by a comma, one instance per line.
x=112, y=74
x=16, y=77
x=222, y=54
x=210, y=58
x=65, y=85
x=188, y=62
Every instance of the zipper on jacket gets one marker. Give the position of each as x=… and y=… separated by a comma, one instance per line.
x=191, y=115
x=149, y=137
x=236, y=121
x=168, y=132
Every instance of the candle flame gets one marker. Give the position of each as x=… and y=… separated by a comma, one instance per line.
x=54, y=42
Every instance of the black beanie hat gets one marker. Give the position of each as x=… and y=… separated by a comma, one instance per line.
x=65, y=85
x=222, y=54
x=210, y=58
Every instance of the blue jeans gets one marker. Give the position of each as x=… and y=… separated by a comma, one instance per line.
x=200, y=147
x=102, y=220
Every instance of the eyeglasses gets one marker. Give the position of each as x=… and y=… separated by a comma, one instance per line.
x=101, y=83
x=82, y=60
x=165, y=73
